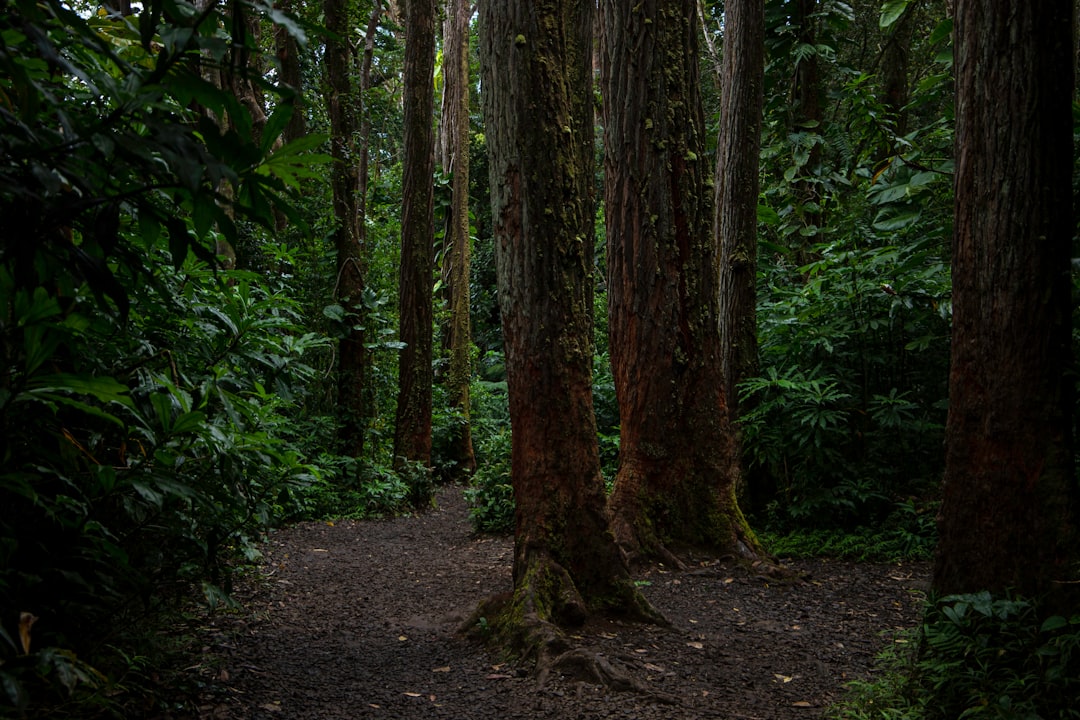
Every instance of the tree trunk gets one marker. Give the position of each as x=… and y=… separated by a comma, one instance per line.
x=288, y=55
x=678, y=458
x=737, y=180
x=455, y=160
x=807, y=114
x=351, y=270
x=412, y=437
x=1009, y=513
x=895, y=59
x=536, y=59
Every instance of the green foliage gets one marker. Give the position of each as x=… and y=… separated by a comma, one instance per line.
x=908, y=533
x=845, y=418
x=490, y=494
x=978, y=656
x=146, y=399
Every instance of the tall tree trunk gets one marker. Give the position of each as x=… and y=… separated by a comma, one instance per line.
x=895, y=59
x=678, y=457
x=1008, y=518
x=342, y=108
x=412, y=437
x=454, y=158
x=807, y=114
x=737, y=180
x=537, y=59
x=287, y=50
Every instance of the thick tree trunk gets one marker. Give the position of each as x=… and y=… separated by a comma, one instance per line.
x=455, y=160
x=1009, y=512
x=737, y=180
x=342, y=109
x=536, y=58
x=412, y=438
x=678, y=458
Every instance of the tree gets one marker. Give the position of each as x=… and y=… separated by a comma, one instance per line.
x=454, y=158
x=741, y=96
x=412, y=437
x=536, y=62
x=342, y=108
x=678, y=456
x=1008, y=517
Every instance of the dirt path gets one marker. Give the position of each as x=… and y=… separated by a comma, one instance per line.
x=357, y=619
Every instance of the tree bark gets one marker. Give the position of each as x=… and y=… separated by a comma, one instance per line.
x=287, y=50
x=342, y=109
x=455, y=161
x=412, y=437
x=536, y=59
x=678, y=457
x=1008, y=519
x=737, y=181
x=807, y=114
x=895, y=59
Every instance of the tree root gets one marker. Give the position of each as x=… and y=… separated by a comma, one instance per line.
x=592, y=667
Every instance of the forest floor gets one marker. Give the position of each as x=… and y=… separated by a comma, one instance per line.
x=359, y=619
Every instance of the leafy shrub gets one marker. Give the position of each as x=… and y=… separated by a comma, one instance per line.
x=979, y=656
x=144, y=397
x=909, y=533
x=490, y=494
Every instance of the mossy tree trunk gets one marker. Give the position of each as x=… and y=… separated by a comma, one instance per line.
x=536, y=57
x=1009, y=512
x=678, y=459
x=737, y=151
x=454, y=158
x=412, y=435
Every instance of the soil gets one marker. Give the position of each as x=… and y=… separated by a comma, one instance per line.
x=359, y=619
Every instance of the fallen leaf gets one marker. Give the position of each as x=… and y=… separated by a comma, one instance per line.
x=801, y=703
x=796, y=627
x=330, y=523
x=497, y=676
x=696, y=645
x=728, y=581
x=26, y=621
x=641, y=650
x=654, y=668
x=783, y=678
x=444, y=668
x=403, y=638
x=431, y=698
x=373, y=705
x=319, y=550
x=272, y=707
x=412, y=694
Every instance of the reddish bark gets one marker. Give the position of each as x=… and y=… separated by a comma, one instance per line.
x=678, y=459
x=536, y=59
x=1009, y=513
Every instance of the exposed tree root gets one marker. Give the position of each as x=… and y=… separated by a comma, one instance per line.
x=528, y=624
x=592, y=667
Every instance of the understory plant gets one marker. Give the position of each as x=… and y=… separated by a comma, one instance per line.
x=976, y=656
